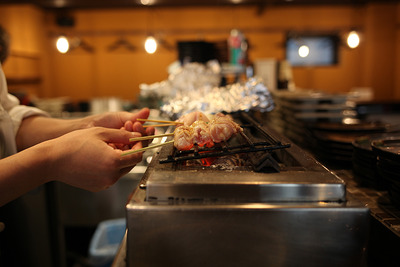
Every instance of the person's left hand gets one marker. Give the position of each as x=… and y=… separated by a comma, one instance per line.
x=123, y=120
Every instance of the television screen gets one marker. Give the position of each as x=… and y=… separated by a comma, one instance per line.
x=318, y=50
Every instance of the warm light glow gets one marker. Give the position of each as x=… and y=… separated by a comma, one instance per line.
x=150, y=45
x=353, y=40
x=146, y=2
x=62, y=44
x=304, y=51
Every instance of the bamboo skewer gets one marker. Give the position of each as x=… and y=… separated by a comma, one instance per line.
x=161, y=121
x=148, y=137
x=145, y=148
x=160, y=125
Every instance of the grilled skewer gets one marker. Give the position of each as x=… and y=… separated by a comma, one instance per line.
x=145, y=148
x=200, y=132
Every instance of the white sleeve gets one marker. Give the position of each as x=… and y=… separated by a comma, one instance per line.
x=11, y=105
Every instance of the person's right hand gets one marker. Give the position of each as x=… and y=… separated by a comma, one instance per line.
x=84, y=158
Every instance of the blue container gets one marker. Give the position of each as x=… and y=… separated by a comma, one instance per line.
x=105, y=242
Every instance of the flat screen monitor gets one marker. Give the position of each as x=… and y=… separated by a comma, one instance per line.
x=318, y=50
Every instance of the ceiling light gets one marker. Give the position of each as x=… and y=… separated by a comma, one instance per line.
x=353, y=40
x=150, y=45
x=146, y=2
x=62, y=44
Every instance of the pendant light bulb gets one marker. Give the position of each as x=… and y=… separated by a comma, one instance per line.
x=150, y=45
x=353, y=40
x=62, y=44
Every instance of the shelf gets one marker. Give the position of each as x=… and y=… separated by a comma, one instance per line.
x=24, y=54
x=26, y=80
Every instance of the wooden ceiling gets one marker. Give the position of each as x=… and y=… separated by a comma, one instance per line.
x=73, y=4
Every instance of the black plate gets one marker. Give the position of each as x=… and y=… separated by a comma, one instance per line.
x=389, y=177
x=353, y=127
x=367, y=158
x=390, y=165
x=387, y=148
x=363, y=143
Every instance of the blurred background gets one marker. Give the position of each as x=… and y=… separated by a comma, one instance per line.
x=107, y=57
x=77, y=57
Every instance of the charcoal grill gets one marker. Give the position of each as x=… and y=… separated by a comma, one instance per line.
x=232, y=146
x=281, y=208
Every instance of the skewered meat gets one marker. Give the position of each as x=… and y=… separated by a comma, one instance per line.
x=202, y=131
x=183, y=137
x=190, y=118
x=222, y=127
x=201, y=134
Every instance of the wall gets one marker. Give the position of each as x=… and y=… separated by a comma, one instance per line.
x=381, y=31
x=82, y=75
x=25, y=66
x=396, y=93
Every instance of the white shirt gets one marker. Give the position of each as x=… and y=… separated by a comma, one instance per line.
x=11, y=116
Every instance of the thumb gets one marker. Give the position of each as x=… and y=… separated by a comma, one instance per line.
x=143, y=114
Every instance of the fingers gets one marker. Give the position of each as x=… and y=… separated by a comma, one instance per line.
x=150, y=130
x=143, y=114
x=128, y=116
x=117, y=136
x=128, y=126
x=132, y=159
x=138, y=127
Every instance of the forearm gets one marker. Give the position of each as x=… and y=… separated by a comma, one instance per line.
x=23, y=172
x=36, y=129
x=81, y=158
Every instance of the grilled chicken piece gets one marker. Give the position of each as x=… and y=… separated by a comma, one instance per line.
x=198, y=129
x=183, y=137
x=201, y=134
x=190, y=118
x=222, y=128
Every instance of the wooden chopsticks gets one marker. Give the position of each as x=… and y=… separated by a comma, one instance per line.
x=145, y=148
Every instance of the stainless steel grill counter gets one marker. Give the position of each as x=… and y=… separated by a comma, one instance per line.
x=271, y=206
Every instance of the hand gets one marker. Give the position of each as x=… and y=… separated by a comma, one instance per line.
x=50, y=128
x=123, y=120
x=84, y=158
x=81, y=152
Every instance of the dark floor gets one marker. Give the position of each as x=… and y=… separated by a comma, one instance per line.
x=77, y=242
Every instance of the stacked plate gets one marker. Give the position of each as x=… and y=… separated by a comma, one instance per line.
x=387, y=151
x=296, y=110
x=327, y=125
x=334, y=141
x=364, y=162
